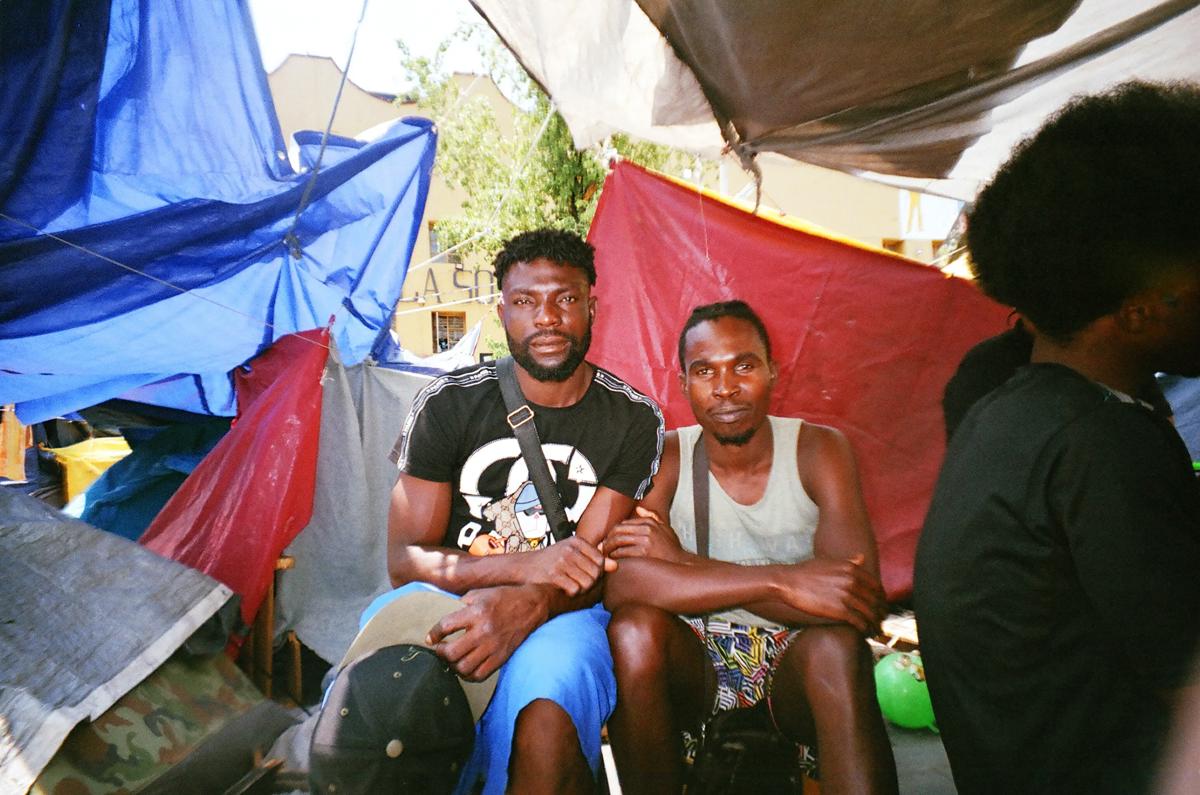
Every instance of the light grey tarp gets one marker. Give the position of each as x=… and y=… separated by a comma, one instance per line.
x=84, y=616
x=924, y=94
x=341, y=556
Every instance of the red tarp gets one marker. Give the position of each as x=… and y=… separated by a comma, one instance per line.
x=251, y=495
x=865, y=341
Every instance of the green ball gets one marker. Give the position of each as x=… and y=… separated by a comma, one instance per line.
x=902, y=692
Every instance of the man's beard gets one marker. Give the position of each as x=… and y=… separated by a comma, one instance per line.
x=576, y=350
x=737, y=440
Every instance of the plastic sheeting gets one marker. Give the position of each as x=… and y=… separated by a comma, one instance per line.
x=460, y=355
x=84, y=617
x=935, y=91
x=249, y=498
x=865, y=340
x=127, y=497
x=341, y=556
x=154, y=157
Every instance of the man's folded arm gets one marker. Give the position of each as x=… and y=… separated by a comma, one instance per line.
x=825, y=462
x=811, y=592
x=704, y=586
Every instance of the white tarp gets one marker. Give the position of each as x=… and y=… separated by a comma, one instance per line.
x=341, y=555
x=460, y=354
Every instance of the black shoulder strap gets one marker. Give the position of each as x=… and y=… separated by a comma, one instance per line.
x=700, y=495
x=520, y=419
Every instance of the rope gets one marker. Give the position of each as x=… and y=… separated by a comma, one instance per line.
x=151, y=277
x=703, y=221
x=435, y=257
x=293, y=243
x=524, y=163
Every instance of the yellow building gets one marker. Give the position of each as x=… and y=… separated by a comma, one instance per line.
x=444, y=298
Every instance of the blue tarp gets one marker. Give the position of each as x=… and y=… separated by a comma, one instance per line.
x=1184, y=396
x=155, y=150
x=128, y=495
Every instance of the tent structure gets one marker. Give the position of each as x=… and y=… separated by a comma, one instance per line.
x=154, y=239
x=153, y=235
x=865, y=340
x=926, y=94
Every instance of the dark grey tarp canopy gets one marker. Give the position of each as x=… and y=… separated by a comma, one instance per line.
x=924, y=94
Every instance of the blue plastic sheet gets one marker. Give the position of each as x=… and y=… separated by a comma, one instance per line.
x=129, y=494
x=52, y=51
x=178, y=265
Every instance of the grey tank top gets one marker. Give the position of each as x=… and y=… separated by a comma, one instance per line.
x=778, y=528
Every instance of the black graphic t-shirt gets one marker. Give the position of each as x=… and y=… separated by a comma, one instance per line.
x=456, y=432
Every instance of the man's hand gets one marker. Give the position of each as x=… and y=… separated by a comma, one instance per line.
x=571, y=565
x=492, y=623
x=645, y=535
x=840, y=590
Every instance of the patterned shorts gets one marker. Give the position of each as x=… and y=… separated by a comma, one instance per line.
x=744, y=658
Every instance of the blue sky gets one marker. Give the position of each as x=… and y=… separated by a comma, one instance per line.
x=326, y=27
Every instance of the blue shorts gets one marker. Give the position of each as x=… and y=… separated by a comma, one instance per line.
x=567, y=661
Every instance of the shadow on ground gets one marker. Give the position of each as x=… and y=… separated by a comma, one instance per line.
x=921, y=762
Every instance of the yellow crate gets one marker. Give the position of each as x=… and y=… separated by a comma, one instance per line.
x=83, y=462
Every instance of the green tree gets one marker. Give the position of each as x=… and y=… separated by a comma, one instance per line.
x=534, y=177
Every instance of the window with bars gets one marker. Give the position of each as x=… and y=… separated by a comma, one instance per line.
x=448, y=329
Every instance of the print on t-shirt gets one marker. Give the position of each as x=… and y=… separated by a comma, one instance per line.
x=518, y=524
x=516, y=521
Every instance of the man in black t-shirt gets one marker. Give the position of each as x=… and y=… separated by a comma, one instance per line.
x=1056, y=584
x=457, y=433
x=465, y=518
x=993, y=361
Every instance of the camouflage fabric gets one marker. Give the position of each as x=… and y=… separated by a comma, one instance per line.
x=149, y=729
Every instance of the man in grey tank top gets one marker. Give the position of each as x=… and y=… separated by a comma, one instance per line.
x=772, y=615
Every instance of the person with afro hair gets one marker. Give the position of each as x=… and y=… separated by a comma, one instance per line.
x=1056, y=582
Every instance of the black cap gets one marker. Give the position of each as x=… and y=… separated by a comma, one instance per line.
x=394, y=720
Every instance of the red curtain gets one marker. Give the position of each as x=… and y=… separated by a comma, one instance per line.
x=251, y=495
x=865, y=341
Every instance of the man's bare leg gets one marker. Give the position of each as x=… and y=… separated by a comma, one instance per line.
x=546, y=756
x=824, y=685
x=664, y=682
